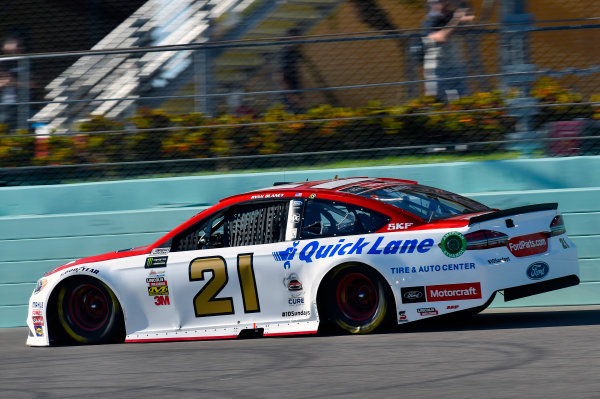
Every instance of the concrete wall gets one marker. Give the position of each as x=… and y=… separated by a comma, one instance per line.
x=42, y=227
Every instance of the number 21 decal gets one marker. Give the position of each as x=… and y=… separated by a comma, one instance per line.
x=206, y=302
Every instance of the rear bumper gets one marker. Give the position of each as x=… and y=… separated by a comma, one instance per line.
x=523, y=291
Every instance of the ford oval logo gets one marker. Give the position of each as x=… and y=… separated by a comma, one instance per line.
x=413, y=295
x=538, y=270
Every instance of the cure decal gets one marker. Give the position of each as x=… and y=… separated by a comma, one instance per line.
x=453, y=244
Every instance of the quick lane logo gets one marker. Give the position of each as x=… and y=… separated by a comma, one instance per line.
x=158, y=261
x=314, y=250
x=453, y=292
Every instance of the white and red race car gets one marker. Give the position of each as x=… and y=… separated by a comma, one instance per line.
x=356, y=254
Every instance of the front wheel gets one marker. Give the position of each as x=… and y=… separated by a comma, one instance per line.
x=88, y=311
x=356, y=300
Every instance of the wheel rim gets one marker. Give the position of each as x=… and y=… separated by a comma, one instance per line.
x=89, y=307
x=357, y=297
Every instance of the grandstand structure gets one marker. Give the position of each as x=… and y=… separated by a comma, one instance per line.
x=114, y=84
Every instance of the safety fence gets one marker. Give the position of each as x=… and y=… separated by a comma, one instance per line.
x=517, y=89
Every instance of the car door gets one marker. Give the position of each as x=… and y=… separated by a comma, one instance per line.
x=221, y=271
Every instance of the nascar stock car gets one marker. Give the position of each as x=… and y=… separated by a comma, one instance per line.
x=353, y=254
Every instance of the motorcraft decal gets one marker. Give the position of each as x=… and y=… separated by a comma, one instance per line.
x=453, y=292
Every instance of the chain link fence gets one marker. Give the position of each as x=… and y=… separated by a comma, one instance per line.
x=509, y=84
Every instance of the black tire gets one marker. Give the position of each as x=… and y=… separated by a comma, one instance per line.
x=88, y=311
x=356, y=300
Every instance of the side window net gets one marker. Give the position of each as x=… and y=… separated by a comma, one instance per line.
x=256, y=224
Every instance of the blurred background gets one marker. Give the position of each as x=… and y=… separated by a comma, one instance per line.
x=106, y=89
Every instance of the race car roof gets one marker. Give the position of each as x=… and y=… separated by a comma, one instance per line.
x=331, y=185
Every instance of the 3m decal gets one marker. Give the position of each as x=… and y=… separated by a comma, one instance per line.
x=452, y=307
x=527, y=245
x=159, y=261
x=453, y=244
x=161, y=300
x=433, y=268
x=453, y=292
x=164, y=290
x=413, y=294
x=537, y=270
x=206, y=302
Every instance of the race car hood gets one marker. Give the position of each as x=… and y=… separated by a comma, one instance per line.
x=123, y=253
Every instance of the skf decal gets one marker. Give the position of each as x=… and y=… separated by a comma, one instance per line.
x=399, y=226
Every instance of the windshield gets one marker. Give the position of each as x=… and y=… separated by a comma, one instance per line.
x=425, y=202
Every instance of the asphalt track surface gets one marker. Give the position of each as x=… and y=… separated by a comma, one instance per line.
x=529, y=353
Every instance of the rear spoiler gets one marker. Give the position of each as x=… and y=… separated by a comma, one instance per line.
x=513, y=211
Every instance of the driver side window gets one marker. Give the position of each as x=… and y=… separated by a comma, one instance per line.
x=330, y=218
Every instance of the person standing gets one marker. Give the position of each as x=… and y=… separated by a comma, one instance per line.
x=442, y=56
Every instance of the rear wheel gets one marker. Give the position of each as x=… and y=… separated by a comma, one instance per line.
x=356, y=300
x=88, y=311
